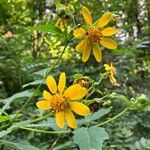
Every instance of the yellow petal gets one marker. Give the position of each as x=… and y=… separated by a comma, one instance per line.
x=109, y=31
x=80, y=108
x=62, y=82
x=107, y=67
x=43, y=104
x=51, y=83
x=97, y=52
x=82, y=45
x=87, y=16
x=75, y=92
x=86, y=51
x=113, y=80
x=79, y=32
x=111, y=65
x=60, y=120
x=113, y=69
x=108, y=43
x=70, y=119
x=47, y=95
x=104, y=20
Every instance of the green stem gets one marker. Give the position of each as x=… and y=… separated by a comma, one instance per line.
x=42, y=117
x=94, y=88
x=26, y=103
x=113, y=118
x=74, y=22
x=97, y=100
x=43, y=131
x=5, y=126
x=3, y=112
x=59, y=58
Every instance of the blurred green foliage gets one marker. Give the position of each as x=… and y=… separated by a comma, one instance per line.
x=27, y=52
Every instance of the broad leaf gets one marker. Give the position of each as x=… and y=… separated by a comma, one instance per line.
x=4, y=118
x=42, y=72
x=94, y=116
x=90, y=138
x=14, y=127
x=24, y=145
x=9, y=100
x=142, y=144
x=48, y=28
x=78, y=76
x=37, y=82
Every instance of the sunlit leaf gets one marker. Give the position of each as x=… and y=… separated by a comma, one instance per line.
x=5, y=118
x=48, y=28
x=78, y=76
x=37, y=82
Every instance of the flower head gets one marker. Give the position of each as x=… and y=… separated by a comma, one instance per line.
x=94, y=35
x=111, y=70
x=63, y=101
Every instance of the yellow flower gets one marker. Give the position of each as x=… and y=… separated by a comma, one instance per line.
x=111, y=70
x=95, y=34
x=63, y=102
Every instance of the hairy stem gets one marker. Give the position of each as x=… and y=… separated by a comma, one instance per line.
x=43, y=131
x=113, y=118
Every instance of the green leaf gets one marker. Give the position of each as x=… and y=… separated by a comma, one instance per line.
x=48, y=28
x=142, y=144
x=8, y=117
x=90, y=138
x=4, y=118
x=78, y=76
x=14, y=127
x=58, y=4
x=37, y=82
x=41, y=72
x=63, y=146
x=94, y=116
x=49, y=123
x=23, y=145
x=14, y=97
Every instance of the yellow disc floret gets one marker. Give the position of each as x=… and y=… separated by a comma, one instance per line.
x=58, y=103
x=94, y=34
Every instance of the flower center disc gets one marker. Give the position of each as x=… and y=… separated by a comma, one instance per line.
x=94, y=34
x=58, y=103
